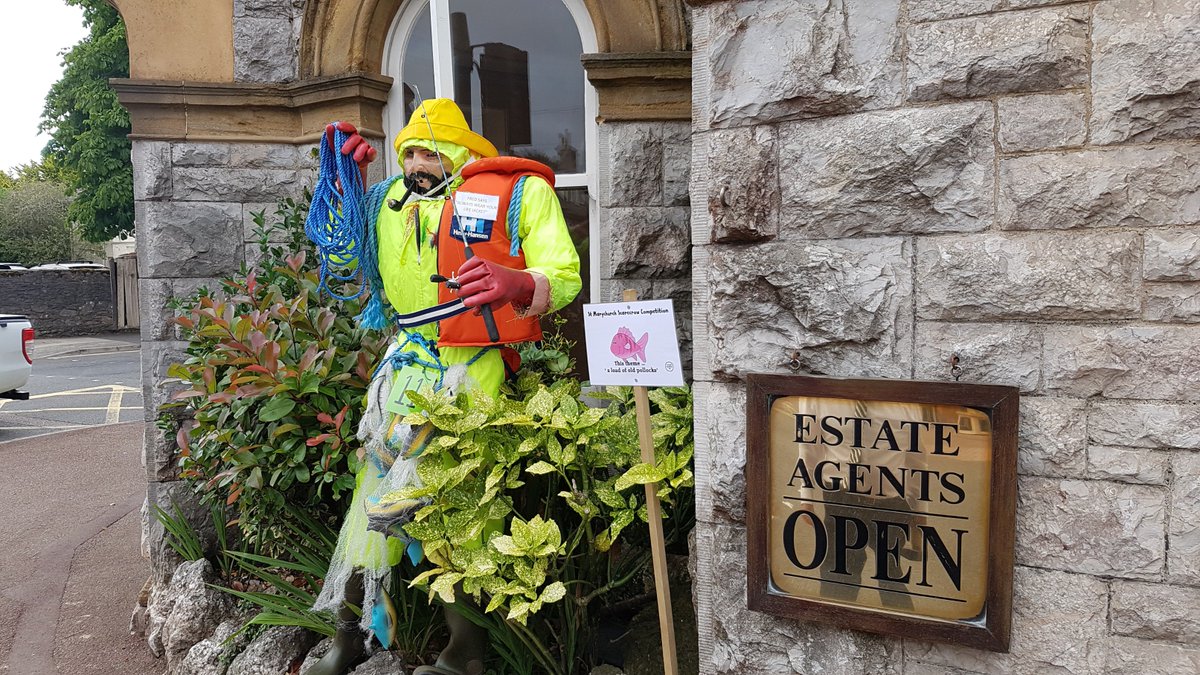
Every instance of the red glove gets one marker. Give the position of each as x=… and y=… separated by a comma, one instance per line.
x=355, y=145
x=487, y=283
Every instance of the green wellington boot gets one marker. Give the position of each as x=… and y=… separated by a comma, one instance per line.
x=349, y=641
x=464, y=654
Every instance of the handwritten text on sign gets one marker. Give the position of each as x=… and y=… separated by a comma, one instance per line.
x=632, y=343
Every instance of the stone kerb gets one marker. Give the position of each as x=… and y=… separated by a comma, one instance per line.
x=1015, y=183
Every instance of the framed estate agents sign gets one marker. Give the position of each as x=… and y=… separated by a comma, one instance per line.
x=881, y=505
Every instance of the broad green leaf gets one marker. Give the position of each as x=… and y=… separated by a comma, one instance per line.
x=539, y=468
x=640, y=474
x=541, y=405
x=276, y=408
x=553, y=593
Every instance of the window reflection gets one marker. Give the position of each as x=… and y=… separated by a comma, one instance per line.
x=522, y=89
x=418, y=64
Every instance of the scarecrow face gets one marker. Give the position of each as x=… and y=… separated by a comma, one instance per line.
x=423, y=168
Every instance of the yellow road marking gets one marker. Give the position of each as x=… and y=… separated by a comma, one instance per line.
x=114, y=407
x=39, y=410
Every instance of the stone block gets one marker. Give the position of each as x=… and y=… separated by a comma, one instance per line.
x=1124, y=362
x=157, y=388
x=274, y=651
x=1052, y=439
x=840, y=57
x=1144, y=425
x=168, y=496
x=160, y=454
x=235, y=185
x=1172, y=255
x=1042, y=121
x=264, y=156
x=649, y=242
x=720, y=460
x=914, y=170
x=1156, y=612
x=188, y=239
x=933, y=10
x=264, y=50
x=1130, y=656
x=1144, y=63
x=1035, y=50
x=990, y=353
x=1173, y=303
x=1058, y=622
x=250, y=229
x=198, y=609
x=200, y=154
x=841, y=307
x=633, y=182
x=155, y=297
x=1091, y=527
x=1129, y=187
x=990, y=277
x=676, y=163
x=743, y=185
x=679, y=291
x=1127, y=465
x=1183, y=562
x=755, y=643
x=152, y=170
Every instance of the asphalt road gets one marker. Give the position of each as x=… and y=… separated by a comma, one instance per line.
x=74, y=392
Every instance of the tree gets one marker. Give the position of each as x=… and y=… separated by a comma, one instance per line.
x=88, y=127
x=33, y=222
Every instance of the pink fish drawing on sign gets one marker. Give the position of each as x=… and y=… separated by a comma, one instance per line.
x=624, y=346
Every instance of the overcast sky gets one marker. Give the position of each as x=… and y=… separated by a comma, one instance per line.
x=33, y=35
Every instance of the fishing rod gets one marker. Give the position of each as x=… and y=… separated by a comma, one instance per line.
x=488, y=320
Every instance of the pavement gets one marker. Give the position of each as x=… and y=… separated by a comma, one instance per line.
x=70, y=543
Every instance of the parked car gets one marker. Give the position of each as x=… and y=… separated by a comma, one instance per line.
x=12, y=266
x=15, y=361
x=71, y=265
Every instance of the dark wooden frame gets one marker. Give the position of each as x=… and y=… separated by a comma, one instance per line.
x=1001, y=403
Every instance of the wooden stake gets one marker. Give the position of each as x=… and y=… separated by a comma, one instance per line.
x=658, y=546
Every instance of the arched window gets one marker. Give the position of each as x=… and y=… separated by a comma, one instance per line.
x=514, y=68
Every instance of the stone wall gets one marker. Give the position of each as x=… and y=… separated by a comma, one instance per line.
x=266, y=40
x=194, y=206
x=879, y=185
x=60, y=303
x=644, y=216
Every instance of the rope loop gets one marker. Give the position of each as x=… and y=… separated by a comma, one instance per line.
x=335, y=223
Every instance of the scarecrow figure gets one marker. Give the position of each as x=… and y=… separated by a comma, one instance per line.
x=467, y=249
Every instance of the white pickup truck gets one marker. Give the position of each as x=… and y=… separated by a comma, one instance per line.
x=15, y=363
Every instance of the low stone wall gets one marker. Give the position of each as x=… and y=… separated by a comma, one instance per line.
x=60, y=303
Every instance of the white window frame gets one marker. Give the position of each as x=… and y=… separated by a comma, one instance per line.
x=443, y=77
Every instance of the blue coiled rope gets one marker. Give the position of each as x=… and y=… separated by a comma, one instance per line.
x=335, y=219
x=342, y=226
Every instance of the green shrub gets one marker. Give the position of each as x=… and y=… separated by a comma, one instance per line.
x=566, y=479
x=276, y=377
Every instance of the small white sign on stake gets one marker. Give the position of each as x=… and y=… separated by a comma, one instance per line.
x=632, y=344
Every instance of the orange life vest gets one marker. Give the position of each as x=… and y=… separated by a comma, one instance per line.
x=482, y=202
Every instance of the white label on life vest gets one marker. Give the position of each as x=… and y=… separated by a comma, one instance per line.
x=476, y=205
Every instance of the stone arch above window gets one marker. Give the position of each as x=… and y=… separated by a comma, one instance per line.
x=348, y=36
